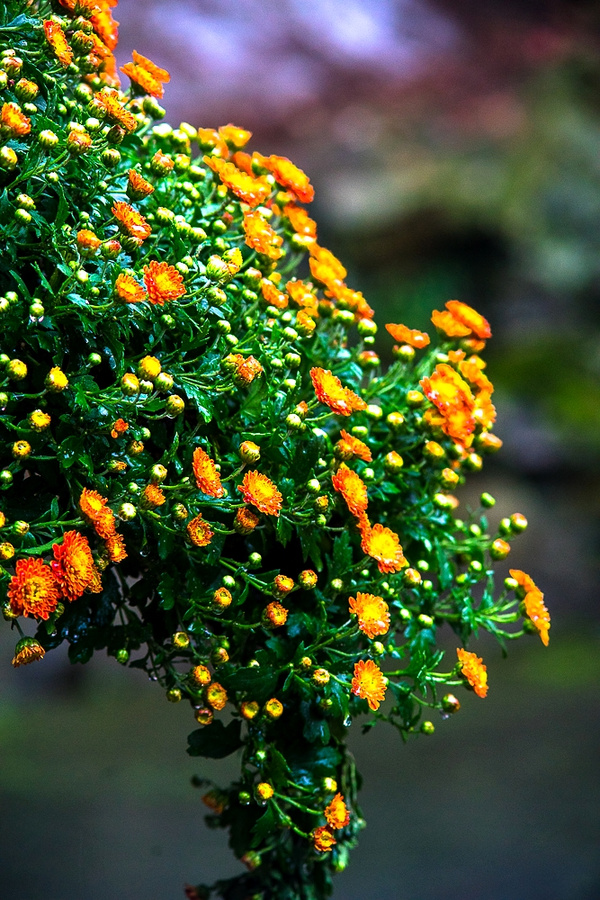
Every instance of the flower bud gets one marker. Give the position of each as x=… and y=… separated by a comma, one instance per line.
x=16, y=370
x=499, y=549
x=273, y=708
x=249, y=709
x=21, y=449
x=393, y=462
x=320, y=677
x=130, y=384
x=204, y=716
x=222, y=598
x=180, y=640
x=56, y=380
x=518, y=523
x=249, y=451
x=450, y=704
x=308, y=579
x=174, y=695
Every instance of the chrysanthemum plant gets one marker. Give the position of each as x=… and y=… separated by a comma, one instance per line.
x=205, y=470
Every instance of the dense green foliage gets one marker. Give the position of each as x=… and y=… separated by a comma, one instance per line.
x=180, y=363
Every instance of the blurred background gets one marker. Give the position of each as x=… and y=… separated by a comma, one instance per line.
x=454, y=148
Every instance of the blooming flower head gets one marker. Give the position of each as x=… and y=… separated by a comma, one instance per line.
x=290, y=176
x=300, y=221
x=272, y=295
x=205, y=472
x=274, y=708
x=114, y=109
x=469, y=317
x=373, y=614
x=323, y=839
x=73, y=566
x=245, y=521
x=409, y=336
x=260, y=491
x=445, y=322
x=119, y=427
x=525, y=582
x=87, y=241
x=275, y=614
x=153, y=496
x=39, y=420
x=199, y=532
x=13, y=120
x=137, y=186
x=33, y=590
x=129, y=290
x=247, y=368
x=94, y=508
x=235, y=137
x=57, y=40
x=163, y=282
x=330, y=391
x=246, y=188
x=28, y=650
x=260, y=236
x=349, y=446
x=104, y=24
x=115, y=547
x=216, y=695
x=337, y=813
x=201, y=675
x=131, y=220
x=537, y=612
x=352, y=488
x=302, y=295
x=383, y=545
x=148, y=77
x=368, y=683
x=473, y=670
x=455, y=401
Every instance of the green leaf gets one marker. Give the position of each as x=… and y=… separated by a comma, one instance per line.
x=215, y=741
x=284, y=530
x=258, y=682
x=167, y=590
x=265, y=825
x=342, y=554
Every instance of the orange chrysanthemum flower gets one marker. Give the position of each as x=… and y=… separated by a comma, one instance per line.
x=260, y=236
x=57, y=40
x=148, y=76
x=137, y=186
x=410, y=336
x=153, y=497
x=472, y=370
x=369, y=683
x=210, y=139
x=332, y=393
x=275, y=614
x=13, y=120
x=245, y=521
x=349, y=446
x=352, y=300
x=352, y=488
x=537, y=612
x=235, y=137
x=114, y=109
x=373, y=614
x=87, y=241
x=129, y=290
x=73, y=566
x=105, y=26
x=337, y=813
x=250, y=190
x=323, y=839
x=94, y=508
x=132, y=221
x=445, y=322
x=300, y=221
x=216, y=695
x=272, y=295
x=119, y=427
x=454, y=399
x=474, y=671
x=208, y=479
x=260, y=491
x=246, y=368
x=290, y=176
x=115, y=547
x=469, y=317
x=33, y=590
x=163, y=282
x=525, y=582
x=199, y=532
x=28, y=650
x=302, y=295
x=383, y=545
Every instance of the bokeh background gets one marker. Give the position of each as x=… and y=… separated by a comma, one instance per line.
x=454, y=148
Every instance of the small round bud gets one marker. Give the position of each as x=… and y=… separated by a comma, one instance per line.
x=7, y=551
x=180, y=640
x=47, y=138
x=174, y=695
x=425, y=621
x=406, y=353
x=474, y=462
x=21, y=449
x=393, y=462
x=6, y=478
x=450, y=704
x=505, y=526
x=307, y=579
x=222, y=598
x=313, y=486
x=16, y=370
x=411, y=577
x=373, y=411
x=499, y=549
x=127, y=511
x=415, y=398
x=273, y=708
x=336, y=584
x=475, y=566
x=158, y=473
x=130, y=384
x=174, y=405
x=518, y=522
x=427, y=727
x=294, y=422
x=320, y=677
x=249, y=452
x=487, y=501
x=204, y=716
x=122, y=656
x=163, y=382
x=255, y=560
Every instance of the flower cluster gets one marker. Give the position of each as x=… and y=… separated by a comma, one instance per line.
x=205, y=469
